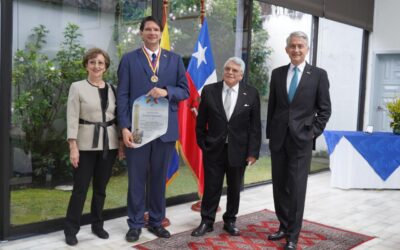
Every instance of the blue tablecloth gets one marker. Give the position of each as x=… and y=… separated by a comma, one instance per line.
x=380, y=149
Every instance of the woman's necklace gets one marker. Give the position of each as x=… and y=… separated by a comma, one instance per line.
x=96, y=84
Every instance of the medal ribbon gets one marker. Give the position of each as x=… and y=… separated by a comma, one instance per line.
x=154, y=69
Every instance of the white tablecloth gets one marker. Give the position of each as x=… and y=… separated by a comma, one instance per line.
x=350, y=170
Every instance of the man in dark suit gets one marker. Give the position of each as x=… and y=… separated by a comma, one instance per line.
x=158, y=73
x=228, y=131
x=298, y=109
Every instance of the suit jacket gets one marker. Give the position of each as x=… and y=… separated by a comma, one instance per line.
x=243, y=128
x=134, y=74
x=84, y=103
x=306, y=116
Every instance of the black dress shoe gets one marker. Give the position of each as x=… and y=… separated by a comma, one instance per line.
x=277, y=235
x=202, y=230
x=71, y=240
x=231, y=228
x=290, y=245
x=159, y=231
x=101, y=233
x=133, y=234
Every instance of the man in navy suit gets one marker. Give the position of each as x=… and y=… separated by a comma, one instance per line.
x=228, y=131
x=155, y=72
x=299, y=107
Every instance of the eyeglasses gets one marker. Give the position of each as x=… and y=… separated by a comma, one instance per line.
x=96, y=63
x=230, y=69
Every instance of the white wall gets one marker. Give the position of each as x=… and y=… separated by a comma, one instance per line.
x=384, y=38
x=339, y=53
x=279, y=28
x=340, y=56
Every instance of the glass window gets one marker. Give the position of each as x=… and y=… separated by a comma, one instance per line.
x=341, y=57
x=271, y=25
x=49, y=38
x=225, y=21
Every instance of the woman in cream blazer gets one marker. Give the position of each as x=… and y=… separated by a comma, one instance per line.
x=93, y=142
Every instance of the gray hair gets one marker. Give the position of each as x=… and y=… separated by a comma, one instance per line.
x=238, y=61
x=300, y=34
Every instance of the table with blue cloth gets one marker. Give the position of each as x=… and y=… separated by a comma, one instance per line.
x=364, y=160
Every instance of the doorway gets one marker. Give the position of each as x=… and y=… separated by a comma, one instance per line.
x=386, y=87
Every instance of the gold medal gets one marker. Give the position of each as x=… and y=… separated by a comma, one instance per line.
x=154, y=79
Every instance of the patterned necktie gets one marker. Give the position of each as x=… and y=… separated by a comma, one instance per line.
x=153, y=60
x=293, y=84
x=227, y=102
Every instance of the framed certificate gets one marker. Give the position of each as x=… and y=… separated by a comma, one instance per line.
x=149, y=119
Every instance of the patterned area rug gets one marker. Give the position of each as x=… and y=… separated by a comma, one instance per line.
x=255, y=229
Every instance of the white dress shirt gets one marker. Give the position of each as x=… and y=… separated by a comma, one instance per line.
x=149, y=52
x=234, y=96
x=290, y=74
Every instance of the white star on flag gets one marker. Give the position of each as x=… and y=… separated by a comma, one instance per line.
x=200, y=54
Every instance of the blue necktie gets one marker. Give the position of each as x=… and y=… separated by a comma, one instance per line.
x=153, y=60
x=293, y=84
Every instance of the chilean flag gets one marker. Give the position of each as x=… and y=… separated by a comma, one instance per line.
x=201, y=71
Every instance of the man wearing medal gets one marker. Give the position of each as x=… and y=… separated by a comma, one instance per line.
x=158, y=73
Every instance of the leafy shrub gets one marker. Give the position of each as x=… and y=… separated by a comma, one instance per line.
x=40, y=93
x=394, y=113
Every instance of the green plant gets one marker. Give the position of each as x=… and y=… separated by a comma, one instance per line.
x=394, y=113
x=40, y=93
x=259, y=54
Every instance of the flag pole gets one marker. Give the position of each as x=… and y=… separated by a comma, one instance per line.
x=165, y=12
x=202, y=11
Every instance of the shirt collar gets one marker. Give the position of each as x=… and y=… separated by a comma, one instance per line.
x=301, y=66
x=234, y=88
x=149, y=52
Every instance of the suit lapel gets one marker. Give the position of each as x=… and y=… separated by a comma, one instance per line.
x=217, y=96
x=303, y=80
x=164, y=59
x=241, y=99
x=144, y=63
x=283, y=86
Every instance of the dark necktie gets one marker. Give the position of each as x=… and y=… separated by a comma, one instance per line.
x=293, y=84
x=153, y=60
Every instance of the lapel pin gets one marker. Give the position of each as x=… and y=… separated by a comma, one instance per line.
x=246, y=105
x=244, y=93
x=308, y=72
x=165, y=55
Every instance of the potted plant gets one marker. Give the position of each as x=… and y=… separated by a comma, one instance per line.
x=394, y=113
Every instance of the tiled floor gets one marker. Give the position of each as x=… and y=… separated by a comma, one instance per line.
x=372, y=212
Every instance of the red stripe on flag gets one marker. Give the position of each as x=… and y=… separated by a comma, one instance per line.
x=190, y=151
